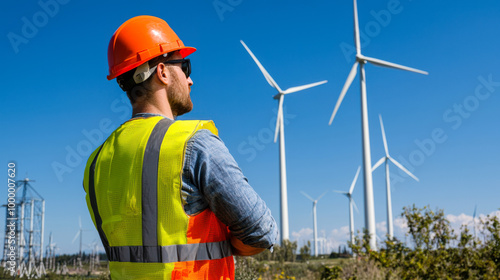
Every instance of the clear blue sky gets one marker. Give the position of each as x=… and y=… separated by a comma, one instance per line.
x=55, y=90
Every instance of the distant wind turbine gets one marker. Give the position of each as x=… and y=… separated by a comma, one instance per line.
x=281, y=129
x=351, y=204
x=79, y=233
x=386, y=159
x=50, y=253
x=361, y=60
x=315, y=221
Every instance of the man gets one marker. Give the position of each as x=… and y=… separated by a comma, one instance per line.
x=167, y=197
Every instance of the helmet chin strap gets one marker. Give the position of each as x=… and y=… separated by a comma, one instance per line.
x=143, y=72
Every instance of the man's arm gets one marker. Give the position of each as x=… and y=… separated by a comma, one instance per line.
x=210, y=167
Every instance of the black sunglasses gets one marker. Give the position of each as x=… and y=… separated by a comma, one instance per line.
x=185, y=65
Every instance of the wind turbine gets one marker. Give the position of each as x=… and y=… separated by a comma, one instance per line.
x=361, y=60
x=93, y=255
x=281, y=129
x=351, y=204
x=79, y=233
x=315, y=221
x=386, y=159
x=50, y=253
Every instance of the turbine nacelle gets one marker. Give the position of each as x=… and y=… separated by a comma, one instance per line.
x=360, y=58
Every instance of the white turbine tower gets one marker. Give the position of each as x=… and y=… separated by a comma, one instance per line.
x=361, y=60
x=351, y=204
x=315, y=221
x=280, y=128
x=386, y=159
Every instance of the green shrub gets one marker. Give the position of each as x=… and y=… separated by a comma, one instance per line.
x=436, y=252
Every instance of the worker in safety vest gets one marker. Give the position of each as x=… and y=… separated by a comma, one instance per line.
x=166, y=196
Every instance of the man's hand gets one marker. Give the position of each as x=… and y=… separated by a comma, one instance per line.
x=240, y=249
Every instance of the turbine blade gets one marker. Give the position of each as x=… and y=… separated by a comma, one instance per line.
x=356, y=29
x=383, y=63
x=383, y=136
x=474, y=215
x=306, y=195
x=347, y=84
x=403, y=168
x=321, y=196
x=80, y=221
x=354, y=181
x=76, y=236
x=262, y=69
x=354, y=203
x=278, y=118
x=379, y=162
x=344, y=193
x=299, y=88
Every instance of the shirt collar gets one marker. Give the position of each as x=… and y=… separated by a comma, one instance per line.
x=147, y=115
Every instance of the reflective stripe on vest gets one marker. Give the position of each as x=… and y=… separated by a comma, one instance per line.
x=150, y=184
x=171, y=253
x=93, y=202
x=150, y=251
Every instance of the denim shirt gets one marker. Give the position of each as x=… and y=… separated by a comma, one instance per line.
x=212, y=179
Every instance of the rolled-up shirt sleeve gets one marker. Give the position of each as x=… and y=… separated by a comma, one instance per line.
x=210, y=169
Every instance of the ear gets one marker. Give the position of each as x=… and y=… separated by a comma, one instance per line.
x=162, y=73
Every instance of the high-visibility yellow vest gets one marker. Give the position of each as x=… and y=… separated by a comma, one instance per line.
x=133, y=184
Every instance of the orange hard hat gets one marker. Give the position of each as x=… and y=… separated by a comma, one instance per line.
x=140, y=39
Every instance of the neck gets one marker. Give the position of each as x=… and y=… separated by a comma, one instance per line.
x=153, y=110
x=155, y=105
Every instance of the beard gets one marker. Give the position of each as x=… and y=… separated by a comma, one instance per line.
x=178, y=97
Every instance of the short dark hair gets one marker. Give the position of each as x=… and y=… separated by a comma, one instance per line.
x=133, y=90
